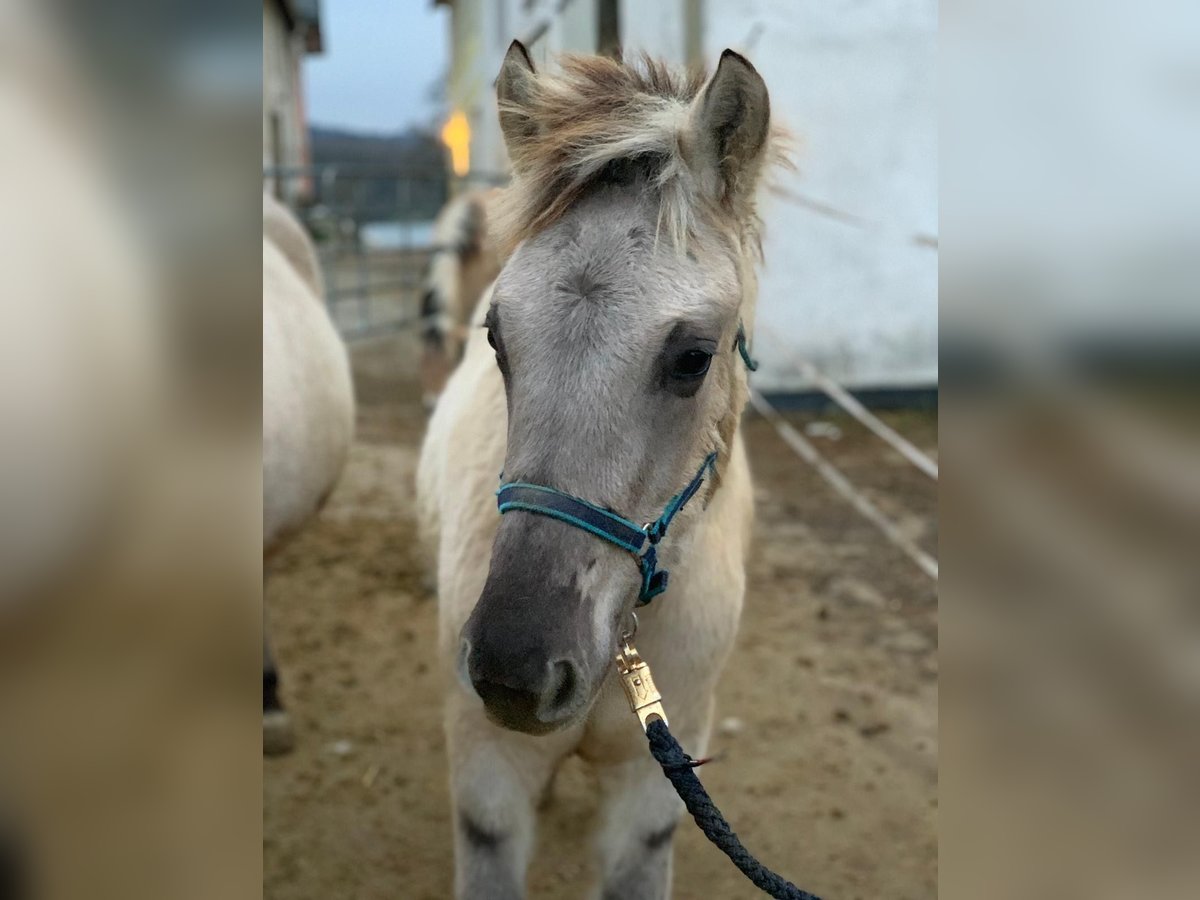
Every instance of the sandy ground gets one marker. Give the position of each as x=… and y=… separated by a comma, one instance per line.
x=828, y=743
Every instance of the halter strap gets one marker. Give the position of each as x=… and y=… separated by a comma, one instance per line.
x=639, y=540
x=743, y=349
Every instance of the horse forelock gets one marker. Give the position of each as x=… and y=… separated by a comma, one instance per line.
x=596, y=113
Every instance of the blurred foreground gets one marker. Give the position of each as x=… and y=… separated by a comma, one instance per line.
x=129, y=468
x=1070, y=285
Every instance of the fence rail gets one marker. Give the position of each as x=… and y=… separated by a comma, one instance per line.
x=373, y=229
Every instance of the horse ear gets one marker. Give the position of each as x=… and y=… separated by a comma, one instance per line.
x=730, y=122
x=513, y=87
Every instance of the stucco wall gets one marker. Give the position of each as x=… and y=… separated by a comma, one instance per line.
x=656, y=28
x=856, y=82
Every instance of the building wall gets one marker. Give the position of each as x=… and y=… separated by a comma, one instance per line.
x=469, y=90
x=285, y=140
x=856, y=82
x=656, y=28
x=480, y=33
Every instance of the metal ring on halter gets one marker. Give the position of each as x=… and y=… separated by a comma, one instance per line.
x=627, y=635
x=627, y=655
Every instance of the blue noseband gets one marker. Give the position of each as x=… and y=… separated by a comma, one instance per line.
x=639, y=540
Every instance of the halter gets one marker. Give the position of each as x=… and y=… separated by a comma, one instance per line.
x=639, y=540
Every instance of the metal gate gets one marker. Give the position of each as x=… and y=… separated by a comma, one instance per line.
x=373, y=229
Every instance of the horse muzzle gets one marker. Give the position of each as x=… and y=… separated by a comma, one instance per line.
x=534, y=695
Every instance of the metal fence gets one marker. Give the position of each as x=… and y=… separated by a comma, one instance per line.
x=373, y=229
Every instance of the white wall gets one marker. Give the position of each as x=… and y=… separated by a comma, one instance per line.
x=857, y=83
x=656, y=28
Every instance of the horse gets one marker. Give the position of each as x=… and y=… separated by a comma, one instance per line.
x=463, y=263
x=608, y=370
x=284, y=231
x=308, y=410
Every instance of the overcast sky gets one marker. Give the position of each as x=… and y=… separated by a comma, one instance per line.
x=381, y=59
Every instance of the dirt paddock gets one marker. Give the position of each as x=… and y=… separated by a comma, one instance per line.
x=827, y=712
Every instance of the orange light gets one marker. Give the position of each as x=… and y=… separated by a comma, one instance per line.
x=456, y=135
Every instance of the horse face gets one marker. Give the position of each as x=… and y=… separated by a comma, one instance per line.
x=620, y=374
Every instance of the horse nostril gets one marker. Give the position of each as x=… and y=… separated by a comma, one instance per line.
x=514, y=707
x=527, y=694
x=563, y=684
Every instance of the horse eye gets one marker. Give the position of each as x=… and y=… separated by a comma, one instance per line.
x=692, y=364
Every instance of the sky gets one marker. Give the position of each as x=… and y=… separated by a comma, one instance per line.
x=380, y=61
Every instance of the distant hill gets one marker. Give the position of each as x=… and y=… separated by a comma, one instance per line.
x=411, y=151
x=382, y=177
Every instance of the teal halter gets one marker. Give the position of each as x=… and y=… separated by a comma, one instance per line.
x=639, y=540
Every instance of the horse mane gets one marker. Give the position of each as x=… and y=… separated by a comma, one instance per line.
x=596, y=115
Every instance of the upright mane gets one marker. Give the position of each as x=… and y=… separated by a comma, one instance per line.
x=596, y=113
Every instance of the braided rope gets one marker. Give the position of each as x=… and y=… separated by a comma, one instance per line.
x=678, y=767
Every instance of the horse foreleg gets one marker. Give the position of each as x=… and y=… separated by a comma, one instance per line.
x=640, y=810
x=278, y=736
x=497, y=778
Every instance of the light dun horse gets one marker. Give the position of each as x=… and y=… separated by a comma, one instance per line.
x=308, y=409
x=465, y=262
x=613, y=376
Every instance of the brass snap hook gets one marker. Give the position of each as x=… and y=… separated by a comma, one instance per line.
x=644, y=698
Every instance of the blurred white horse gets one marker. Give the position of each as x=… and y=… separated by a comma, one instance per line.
x=464, y=262
x=308, y=409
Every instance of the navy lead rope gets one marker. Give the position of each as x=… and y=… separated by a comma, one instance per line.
x=642, y=542
x=680, y=769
